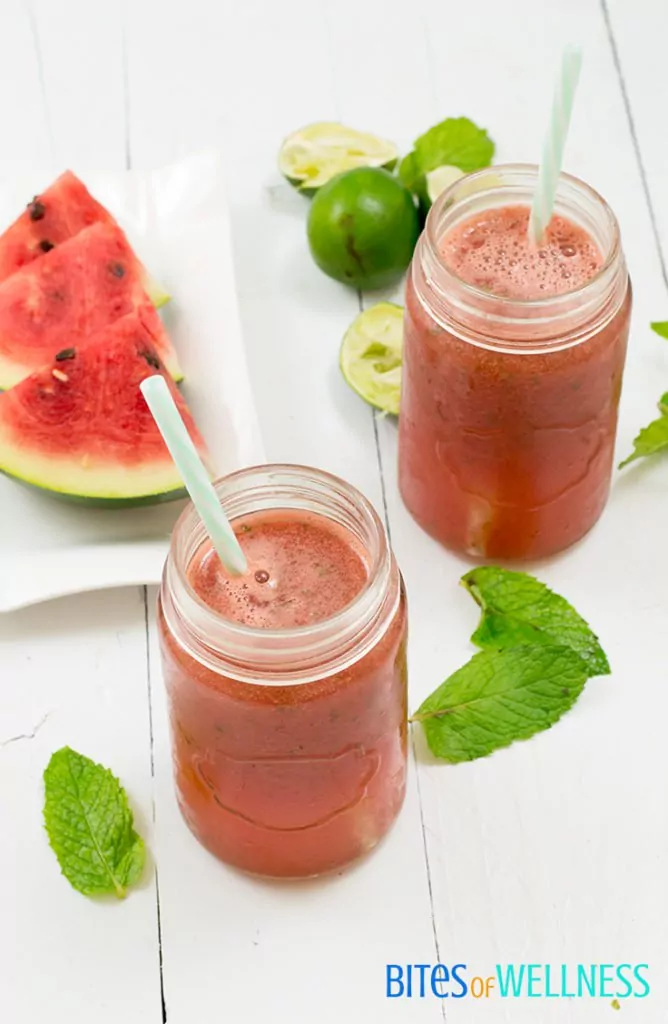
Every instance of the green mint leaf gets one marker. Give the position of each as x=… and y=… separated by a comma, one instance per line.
x=651, y=439
x=409, y=172
x=519, y=609
x=90, y=826
x=457, y=142
x=660, y=327
x=501, y=696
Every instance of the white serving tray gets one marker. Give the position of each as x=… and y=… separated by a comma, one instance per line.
x=177, y=220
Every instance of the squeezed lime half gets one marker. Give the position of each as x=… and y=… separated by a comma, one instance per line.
x=370, y=357
x=310, y=157
x=438, y=180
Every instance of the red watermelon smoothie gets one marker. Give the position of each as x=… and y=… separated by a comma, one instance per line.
x=287, y=686
x=513, y=363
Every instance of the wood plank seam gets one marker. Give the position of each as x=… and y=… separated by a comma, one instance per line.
x=147, y=639
x=149, y=679
x=634, y=137
x=34, y=31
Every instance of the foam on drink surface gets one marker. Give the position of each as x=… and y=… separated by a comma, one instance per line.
x=492, y=251
x=302, y=569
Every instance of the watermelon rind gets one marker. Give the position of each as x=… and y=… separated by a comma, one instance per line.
x=98, y=486
x=158, y=296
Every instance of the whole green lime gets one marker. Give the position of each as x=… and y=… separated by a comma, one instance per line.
x=362, y=228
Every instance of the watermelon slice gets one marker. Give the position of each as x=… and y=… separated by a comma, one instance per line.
x=81, y=429
x=75, y=290
x=55, y=216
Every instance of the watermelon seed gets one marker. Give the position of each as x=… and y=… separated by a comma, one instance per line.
x=66, y=353
x=45, y=245
x=150, y=358
x=37, y=209
x=59, y=375
x=117, y=269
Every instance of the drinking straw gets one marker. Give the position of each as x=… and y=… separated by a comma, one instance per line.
x=555, y=140
x=193, y=473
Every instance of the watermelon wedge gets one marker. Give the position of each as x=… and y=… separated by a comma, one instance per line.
x=80, y=427
x=72, y=292
x=51, y=218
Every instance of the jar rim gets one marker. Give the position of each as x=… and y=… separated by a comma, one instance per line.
x=230, y=647
x=448, y=199
x=189, y=516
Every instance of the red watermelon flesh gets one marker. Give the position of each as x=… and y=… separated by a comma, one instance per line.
x=59, y=213
x=71, y=293
x=80, y=426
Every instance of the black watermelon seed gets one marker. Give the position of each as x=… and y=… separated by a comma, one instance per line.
x=150, y=358
x=37, y=209
x=45, y=245
x=117, y=269
x=66, y=353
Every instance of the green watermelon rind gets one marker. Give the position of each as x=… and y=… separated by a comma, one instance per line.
x=100, y=502
x=156, y=293
x=93, y=488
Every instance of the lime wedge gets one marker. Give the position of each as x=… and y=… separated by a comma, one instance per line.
x=440, y=179
x=370, y=357
x=310, y=157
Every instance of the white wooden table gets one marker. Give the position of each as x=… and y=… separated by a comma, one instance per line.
x=553, y=851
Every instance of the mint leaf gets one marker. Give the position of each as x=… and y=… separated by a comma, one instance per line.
x=519, y=609
x=457, y=142
x=654, y=437
x=501, y=696
x=90, y=826
x=660, y=327
x=409, y=172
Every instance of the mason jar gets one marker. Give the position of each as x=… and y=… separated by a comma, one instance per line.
x=509, y=405
x=289, y=744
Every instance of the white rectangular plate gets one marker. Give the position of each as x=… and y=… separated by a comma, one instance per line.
x=177, y=220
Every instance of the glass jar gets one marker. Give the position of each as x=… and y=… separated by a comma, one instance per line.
x=509, y=406
x=289, y=745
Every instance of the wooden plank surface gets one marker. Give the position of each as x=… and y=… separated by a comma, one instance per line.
x=552, y=851
x=74, y=671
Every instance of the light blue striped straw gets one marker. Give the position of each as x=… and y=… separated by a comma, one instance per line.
x=193, y=473
x=555, y=141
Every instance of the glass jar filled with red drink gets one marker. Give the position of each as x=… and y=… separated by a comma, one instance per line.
x=287, y=686
x=513, y=361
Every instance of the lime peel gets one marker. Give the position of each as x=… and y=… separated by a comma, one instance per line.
x=371, y=355
x=313, y=155
x=441, y=178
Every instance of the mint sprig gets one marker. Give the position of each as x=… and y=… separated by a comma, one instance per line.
x=457, y=142
x=90, y=826
x=653, y=438
x=538, y=653
x=498, y=697
x=519, y=609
